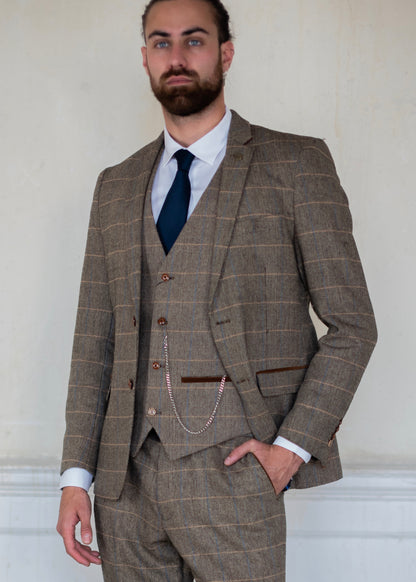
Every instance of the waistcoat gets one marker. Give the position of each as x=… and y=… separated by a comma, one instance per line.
x=174, y=303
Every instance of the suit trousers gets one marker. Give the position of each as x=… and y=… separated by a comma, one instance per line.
x=193, y=518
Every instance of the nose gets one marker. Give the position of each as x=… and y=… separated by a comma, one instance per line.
x=177, y=56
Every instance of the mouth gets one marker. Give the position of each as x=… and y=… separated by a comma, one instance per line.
x=177, y=80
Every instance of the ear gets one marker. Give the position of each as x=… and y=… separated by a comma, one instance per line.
x=227, y=54
x=144, y=61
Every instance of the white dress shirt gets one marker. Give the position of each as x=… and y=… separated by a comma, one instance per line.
x=209, y=152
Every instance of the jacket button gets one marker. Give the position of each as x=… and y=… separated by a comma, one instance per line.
x=162, y=321
x=151, y=411
x=156, y=366
x=131, y=384
x=165, y=277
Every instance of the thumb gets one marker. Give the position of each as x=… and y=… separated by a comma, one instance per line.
x=86, y=530
x=238, y=453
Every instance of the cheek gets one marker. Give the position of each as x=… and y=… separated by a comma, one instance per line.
x=208, y=66
x=154, y=67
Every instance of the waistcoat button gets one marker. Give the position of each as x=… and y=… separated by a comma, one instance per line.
x=156, y=366
x=151, y=411
x=165, y=277
x=162, y=321
x=131, y=384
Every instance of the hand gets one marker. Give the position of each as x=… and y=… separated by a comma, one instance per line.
x=279, y=463
x=76, y=506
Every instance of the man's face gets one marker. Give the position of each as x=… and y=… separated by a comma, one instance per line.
x=183, y=57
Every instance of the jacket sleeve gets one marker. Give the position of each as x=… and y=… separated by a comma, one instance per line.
x=92, y=356
x=331, y=270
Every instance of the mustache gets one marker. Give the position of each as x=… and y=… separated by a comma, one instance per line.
x=177, y=72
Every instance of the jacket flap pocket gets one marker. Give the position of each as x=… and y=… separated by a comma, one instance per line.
x=280, y=380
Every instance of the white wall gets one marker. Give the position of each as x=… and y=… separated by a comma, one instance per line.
x=74, y=99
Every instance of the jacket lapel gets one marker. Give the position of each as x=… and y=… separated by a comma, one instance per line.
x=233, y=178
x=146, y=160
x=227, y=323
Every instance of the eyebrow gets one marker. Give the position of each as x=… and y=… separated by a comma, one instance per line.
x=187, y=32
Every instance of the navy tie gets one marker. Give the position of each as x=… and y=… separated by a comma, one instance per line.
x=174, y=211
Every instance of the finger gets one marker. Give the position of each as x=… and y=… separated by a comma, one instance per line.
x=82, y=554
x=92, y=556
x=239, y=452
x=79, y=552
x=73, y=549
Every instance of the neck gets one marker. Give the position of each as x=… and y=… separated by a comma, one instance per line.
x=187, y=130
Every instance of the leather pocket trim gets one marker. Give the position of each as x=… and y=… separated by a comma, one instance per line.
x=277, y=370
x=202, y=379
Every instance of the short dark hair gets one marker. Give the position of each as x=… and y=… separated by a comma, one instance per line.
x=222, y=18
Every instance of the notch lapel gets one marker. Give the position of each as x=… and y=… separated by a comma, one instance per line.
x=227, y=323
x=233, y=178
x=146, y=160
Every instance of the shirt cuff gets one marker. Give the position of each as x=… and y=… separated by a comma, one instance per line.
x=282, y=442
x=76, y=477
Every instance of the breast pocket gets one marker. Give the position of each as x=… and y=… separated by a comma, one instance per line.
x=279, y=388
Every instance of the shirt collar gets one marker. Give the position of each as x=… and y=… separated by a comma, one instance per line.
x=206, y=148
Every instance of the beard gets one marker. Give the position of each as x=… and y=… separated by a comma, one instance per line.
x=188, y=99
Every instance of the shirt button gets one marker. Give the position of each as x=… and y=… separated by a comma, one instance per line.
x=165, y=277
x=156, y=366
x=151, y=411
x=162, y=321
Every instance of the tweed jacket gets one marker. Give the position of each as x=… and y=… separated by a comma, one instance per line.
x=283, y=241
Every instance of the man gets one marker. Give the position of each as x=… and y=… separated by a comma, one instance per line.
x=199, y=391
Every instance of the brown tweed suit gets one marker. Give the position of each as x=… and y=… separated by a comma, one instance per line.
x=283, y=239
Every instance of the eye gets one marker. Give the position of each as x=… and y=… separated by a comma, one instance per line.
x=162, y=44
x=194, y=42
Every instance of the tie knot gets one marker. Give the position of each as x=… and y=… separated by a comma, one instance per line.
x=184, y=159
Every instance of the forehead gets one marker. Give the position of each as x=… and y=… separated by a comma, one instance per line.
x=176, y=16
